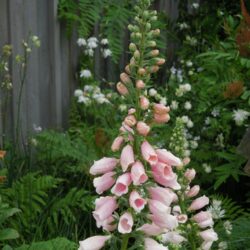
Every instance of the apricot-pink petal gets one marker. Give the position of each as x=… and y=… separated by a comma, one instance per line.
x=199, y=203
x=93, y=243
x=127, y=157
x=151, y=229
x=125, y=223
x=104, y=182
x=161, y=118
x=138, y=174
x=148, y=153
x=103, y=166
x=151, y=244
x=164, y=195
x=122, y=184
x=125, y=128
x=136, y=201
x=168, y=158
x=160, y=109
x=142, y=128
x=105, y=206
x=116, y=145
x=173, y=237
x=209, y=235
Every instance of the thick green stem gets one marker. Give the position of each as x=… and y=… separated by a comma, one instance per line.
x=125, y=242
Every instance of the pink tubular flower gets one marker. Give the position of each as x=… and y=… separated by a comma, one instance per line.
x=164, y=175
x=121, y=88
x=131, y=111
x=103, y=166
x=168, y=158
x=156, y=207
x=173, y=237
x=204, y=219
x=104, y=182
x=190, y=174
x=206, y=245
x=116, y=145
x=166, y=221
x=121, y=185
x=125, y=223
x=199, y=203
x=164, y=195
x=136, y=201
x=93, y=243
x=209, y=235
x=130, y=120
x=142, y=128
x=125, y=78
x=182, y=218
x=151, y=244
x=104, y=207
x=127, y=157
x=160, y=109
x=151, y=229
x=108, y=224
x=161, y=118
x=138, y=174
x=148, y=153
x=193, y=191
x=126, y=128
x=144, y=102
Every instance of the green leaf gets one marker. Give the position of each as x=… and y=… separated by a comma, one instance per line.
x=8, y=234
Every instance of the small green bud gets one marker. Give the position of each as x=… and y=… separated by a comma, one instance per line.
x=138, y=35
x=148, y=26
x=132, y=47
x=137, y=54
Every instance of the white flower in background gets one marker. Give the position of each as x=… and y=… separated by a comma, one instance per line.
x=191, y=40
x=85, y=73
x=215, y=112
x=240, y=116
x=208, y=121
x=78, y=92
x=223, y=245
x=220, y=140
x=187, y=87
x=190, y=124
x=36, y=128
x=187, y=105
x=228, y=227
x=190, y=72
x=36, y=41
x=173, y=70
x=88, y=88
x=152, y=92
x=122, y=107
x=158, y=97
x=106, y=53
x=96, y=90
x=163, y=101
x=104, y=41
x=183, y=26
x=193, y=144
x=187, y=153
x=189, y=63
x=34, y=142
x=179, y=75
x=81, y=42
x=92, y=42
x=179, y=92
x=207, y=168
x=84, y=99
x=195, y=5
x=216, y=210
x=199, y=69
x=197, y=138
x=185, y=118
x=174, y=105
x=89, y=52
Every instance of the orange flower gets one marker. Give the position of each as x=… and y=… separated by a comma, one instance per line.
x=2, y=154
x=233, y=90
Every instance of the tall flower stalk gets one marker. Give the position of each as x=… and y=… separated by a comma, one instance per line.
x=146, y=200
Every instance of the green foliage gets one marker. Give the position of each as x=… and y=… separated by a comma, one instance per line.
x=5, y=213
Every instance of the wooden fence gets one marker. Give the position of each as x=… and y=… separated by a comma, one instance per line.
x=50, y=77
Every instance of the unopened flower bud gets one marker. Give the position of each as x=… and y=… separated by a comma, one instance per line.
x=116, y=145
x=193, y=191
x=125, y=78
x=132, y=47
x=138, y=35
x=131, y=111
x=141, y=71
x=161, y=118
x=157, y=32
x=137, y=54
x=130, y=120
x=151, y=43
x=142, y=128
x=144, y=102
x=140, y=84
x=190, y=174
x=160, y=109
x=154, y=52
x=121, y=88
x=127, y=69
x=160, y=61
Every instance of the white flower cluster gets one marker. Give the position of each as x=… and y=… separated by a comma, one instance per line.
x=92, y=43
x=223, y=245
x=228, y=227
x=207, y=168
x=90, y=94
x=85, y=73
x=182, y=89
x=186, y=120
x=191, y=41
x=240, y=116
x=195, y=6
x=153, y=93
x=216, y=210
x=183, y=26
x=220, y=140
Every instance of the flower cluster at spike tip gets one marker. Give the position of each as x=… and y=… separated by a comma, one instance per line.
x=146, y=195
